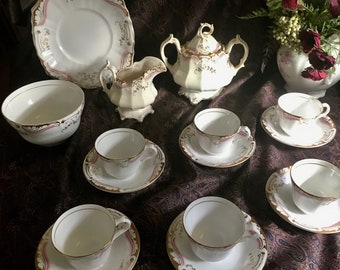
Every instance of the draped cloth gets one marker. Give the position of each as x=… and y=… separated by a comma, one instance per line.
x=38, y=184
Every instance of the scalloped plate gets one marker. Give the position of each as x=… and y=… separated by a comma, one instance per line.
x=74, y=38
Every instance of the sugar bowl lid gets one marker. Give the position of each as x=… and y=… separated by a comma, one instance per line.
x=203, y=43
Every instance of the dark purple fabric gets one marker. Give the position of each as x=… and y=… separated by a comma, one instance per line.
x=38, y=184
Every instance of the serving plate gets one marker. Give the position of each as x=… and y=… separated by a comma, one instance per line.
x=74, y=38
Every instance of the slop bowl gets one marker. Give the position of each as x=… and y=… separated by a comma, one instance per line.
x=46, y=112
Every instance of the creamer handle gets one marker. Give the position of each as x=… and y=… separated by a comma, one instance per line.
x=113, y=76
x=230, y=45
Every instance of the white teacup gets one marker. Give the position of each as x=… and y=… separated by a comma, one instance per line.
x=299, y=112
x=216, y=128
x=316, y=186
x=213, y=225
x=84, y=235
x=122, y=151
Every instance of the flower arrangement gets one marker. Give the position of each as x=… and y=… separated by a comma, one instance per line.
x=303, y=26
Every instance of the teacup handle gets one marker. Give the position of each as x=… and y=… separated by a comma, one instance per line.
x=326, y=109
x=150, y=152
x=122, y=225
x=244, y=131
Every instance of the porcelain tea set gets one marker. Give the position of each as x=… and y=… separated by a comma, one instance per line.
x=123, y=160
x=202, y=69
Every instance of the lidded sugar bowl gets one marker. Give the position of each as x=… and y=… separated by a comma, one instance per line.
x=203, y=65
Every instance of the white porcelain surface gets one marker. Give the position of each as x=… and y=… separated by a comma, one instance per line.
x=45, y=112
x=73, y=39
x=298, y=112
x=214, y=226
x=123, y=256
x=147, y=174
x=131, y=88
x=122, y=151
x=196, y=97
x=292, y=63
x=316, y=186
x=216, y=128
x=279, y=195
x=242, y=149
x=202, y=63
x=84, y=235
x=323, y=133
x=249, y=254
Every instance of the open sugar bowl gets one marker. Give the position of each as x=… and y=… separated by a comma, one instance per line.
x=316, y=186
x=45, y=113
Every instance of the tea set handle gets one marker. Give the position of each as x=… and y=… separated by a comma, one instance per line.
x=326, y=109
x=170, y=40
x=110, y=69
x=123, y=224
x=230, y=45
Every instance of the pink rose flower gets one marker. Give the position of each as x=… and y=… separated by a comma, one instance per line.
x=334, y=8
x=309, y=40
x=320, y=60
x=290, y=4
x=313, y=74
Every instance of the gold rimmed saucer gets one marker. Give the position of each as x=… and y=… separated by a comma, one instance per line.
x=278, y=192
x=324, y=132
x=147, y=173
x=124, y=253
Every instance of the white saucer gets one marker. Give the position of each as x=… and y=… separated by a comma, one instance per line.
x=123, y=256
x=145, y=176
x=250, y=253
x=278, y=192
x=73, y=39
x=323, y=134
x=242, y=149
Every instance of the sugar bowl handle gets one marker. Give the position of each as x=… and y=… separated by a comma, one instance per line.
x=230, y=45
x=170, y=40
